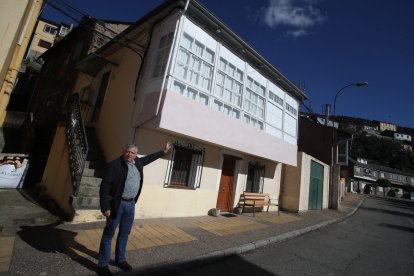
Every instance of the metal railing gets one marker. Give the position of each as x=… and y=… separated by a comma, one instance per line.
x=77, y=142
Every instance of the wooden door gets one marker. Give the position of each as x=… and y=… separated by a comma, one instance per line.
x=225, y=194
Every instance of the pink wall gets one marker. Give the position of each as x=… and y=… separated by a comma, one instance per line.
x=186, y=117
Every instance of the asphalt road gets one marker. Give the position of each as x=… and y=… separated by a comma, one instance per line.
x=377, y=240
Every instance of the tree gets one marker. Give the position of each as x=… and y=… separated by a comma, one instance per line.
x=382, y=182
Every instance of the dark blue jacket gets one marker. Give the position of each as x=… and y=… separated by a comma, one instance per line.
x=113, y=183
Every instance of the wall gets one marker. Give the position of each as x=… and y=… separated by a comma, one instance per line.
x=11, y=14
x=295, y=184
x=56, y=178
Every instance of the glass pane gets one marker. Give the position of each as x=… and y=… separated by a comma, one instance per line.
x=223, y=64
x=203, y=99
x=199, y=48
x=187, y=41
x=209, y=55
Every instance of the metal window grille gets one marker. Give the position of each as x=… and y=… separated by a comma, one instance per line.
x=255, y=178
x=185, y=167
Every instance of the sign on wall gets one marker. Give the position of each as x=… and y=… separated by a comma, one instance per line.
x=13, y=169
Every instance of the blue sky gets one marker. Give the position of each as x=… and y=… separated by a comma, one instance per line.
x=322, y=44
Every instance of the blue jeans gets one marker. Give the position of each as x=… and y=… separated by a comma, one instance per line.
x=125, y=219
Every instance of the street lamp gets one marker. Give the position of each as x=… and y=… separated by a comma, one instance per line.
x=335, y=170
x=340, y=90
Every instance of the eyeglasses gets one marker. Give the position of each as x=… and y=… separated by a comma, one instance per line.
x=130, y=152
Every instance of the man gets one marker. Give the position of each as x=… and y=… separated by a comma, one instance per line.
x=120, y=189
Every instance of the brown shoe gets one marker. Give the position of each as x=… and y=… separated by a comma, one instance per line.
x=124, y=266
x=104, y=271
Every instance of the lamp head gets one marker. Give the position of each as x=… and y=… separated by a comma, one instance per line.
x=361, y=83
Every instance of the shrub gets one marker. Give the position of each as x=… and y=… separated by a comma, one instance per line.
x=391, y=193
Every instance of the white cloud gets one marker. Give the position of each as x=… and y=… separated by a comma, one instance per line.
x=297, y=14
x=297, y=33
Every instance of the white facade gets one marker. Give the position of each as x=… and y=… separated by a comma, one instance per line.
x=228, y=97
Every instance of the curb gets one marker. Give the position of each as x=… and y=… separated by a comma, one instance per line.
x=240, y=249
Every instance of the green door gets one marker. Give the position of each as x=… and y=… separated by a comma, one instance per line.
x=315, y=186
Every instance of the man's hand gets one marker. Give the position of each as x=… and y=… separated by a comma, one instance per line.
x=167, y=147
x=106, y=213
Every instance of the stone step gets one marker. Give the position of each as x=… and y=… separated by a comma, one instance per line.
x=92, y=172
x=81, y=202
x=90, y=181
x=88, y=191
x=97, y=165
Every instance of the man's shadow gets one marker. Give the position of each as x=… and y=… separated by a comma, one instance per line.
x=49, y=239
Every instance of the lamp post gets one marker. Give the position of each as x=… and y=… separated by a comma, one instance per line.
x=340, y=90
x=335, y=189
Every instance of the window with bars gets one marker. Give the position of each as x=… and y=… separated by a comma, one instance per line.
x=162, y=55
x=185, y=166
x=255, y=178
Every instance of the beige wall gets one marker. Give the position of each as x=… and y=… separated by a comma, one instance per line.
x=41, y=35
x=296, y=182
x=17, y=21
x=172, y=202
x=56, y=178
x=11, y=14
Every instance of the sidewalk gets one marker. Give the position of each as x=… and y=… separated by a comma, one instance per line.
x=34, y=242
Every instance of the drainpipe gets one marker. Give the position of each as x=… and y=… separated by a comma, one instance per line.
x=17, y=58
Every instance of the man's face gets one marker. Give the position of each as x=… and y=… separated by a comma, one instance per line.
x=129, y=154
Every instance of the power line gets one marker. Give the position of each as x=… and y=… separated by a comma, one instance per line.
x=115, y=39
x=96, y=20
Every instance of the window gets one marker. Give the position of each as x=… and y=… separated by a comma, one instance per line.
x=49, y=29
x=253, y=121
x=275, y=98
x=254, y=101
x=228, y=83
x=194, y=63
x=162, y=55
x=255, y=177
x=64, y=31
x=190, y=93
x=44, y=44
x=185, y=166
x=291, y=109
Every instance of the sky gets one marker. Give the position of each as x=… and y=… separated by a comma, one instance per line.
x=323, y=45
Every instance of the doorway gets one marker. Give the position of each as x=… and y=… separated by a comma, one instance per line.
x=315, y=186
x=100, y=98
x=225, y=193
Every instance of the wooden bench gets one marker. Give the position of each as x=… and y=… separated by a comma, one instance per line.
x=259, y=200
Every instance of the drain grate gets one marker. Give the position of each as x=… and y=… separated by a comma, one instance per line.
x=228, y=215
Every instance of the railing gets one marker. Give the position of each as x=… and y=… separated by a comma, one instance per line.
x=77, y=142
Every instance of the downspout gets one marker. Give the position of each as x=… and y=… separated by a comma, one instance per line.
x=173, y=44
x=18, y=54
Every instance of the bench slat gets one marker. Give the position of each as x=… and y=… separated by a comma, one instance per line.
x=258, y=200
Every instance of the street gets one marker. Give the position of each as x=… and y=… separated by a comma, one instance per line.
x=377, y=240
